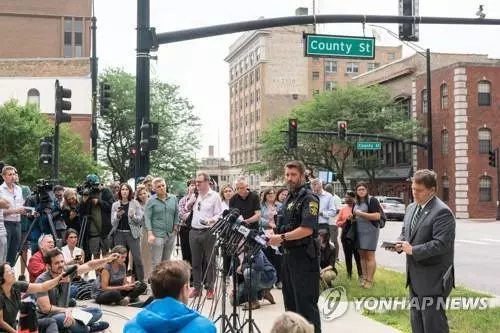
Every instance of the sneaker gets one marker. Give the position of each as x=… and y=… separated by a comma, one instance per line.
x=251, y=306
x=194, y=293
x=124, y=301
x=210, y=294
x=98, y=326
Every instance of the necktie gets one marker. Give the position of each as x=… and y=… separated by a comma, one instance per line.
x=415, y=218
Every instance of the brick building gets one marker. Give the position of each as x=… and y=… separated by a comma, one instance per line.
x=465, y=127
x=43, y=41
x=464, y=104
x=269, y=75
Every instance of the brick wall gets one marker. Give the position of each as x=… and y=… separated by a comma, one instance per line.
x=82, y=125
x=44, y=67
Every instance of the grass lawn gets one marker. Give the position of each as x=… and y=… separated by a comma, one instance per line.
x=388, y=283
x=460, y=321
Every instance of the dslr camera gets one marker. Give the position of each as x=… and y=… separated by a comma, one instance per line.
x=88, y=189
x=43, y=193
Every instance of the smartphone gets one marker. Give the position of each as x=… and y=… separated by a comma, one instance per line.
x=78, y=257
x=203, y=222
x=120, y=208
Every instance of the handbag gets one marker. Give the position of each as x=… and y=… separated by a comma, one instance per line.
x=351, y=234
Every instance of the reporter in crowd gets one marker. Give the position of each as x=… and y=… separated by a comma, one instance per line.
x=53, y=303
x=327, y=261
x=170, y=286
x=70, y=210
x=142, y=197
x=112, y=284
x=126, y=218
x=72, y=254
x=10, y=298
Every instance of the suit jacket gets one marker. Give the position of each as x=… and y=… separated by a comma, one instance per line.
x=134, y=222
x=429, y=270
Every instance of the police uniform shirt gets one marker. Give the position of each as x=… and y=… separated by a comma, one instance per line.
x=309, y=209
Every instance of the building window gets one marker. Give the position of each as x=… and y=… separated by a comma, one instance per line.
x=257, y=95
x=33, y=97
x=391, y=56
x=444, y=96
x=485, y=189
x=330, y=85
x=352, y=67
x=251, y=137
x=373, y=65
x=423, y=97
x=402, y=153
x=245, y=80
x=251, y=78
x=251, y=117
x=251, y=58
x=257, y=75
x=68, y=37
x=251, y=98
x=257, y=115
x=404, y=104
x=295, y=97
x=330, y=66
x=484, y=135
x=484, y=93
x=446, y=189
x=315, y=75
x=444, y=142
x=73, y=37
x=316, y=92
x=246, y=101
x=78, y=27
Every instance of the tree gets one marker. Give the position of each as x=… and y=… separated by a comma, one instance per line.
x=178, y=136
x=22, y=128
x=366, y=110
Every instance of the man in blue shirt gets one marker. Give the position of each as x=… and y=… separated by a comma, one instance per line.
x=170, y=286
x=327, y=208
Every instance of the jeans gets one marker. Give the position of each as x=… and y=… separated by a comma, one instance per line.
x=162, y=249
x=134, y=245
x=13, y=240
x=3, y=248
x=78, y=327
x=257, y=285
x=115, y=296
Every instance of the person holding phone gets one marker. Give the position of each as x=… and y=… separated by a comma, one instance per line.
x=72, y=254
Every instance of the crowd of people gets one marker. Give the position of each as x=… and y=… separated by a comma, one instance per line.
x=135, y=232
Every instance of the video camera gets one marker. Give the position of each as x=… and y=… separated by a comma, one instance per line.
x=88, y=189
x=43, y=194
x=235, y=237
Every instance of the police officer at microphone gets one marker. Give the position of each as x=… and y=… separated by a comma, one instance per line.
x=297, y=232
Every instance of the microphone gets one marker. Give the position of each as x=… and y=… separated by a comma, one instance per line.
x=70, y=270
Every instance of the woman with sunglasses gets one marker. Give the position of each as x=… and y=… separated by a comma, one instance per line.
x=10, y=298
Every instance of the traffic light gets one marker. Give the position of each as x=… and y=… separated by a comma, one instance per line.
x=153, y=138
x=46, y=151
x=408, y=31
x=62, y=104
x=292, y=133
x=492, y=158
x=342, y=131
x=105, y=98
x=144, y=137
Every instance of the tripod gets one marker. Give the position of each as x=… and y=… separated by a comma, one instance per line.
x=250, y=321
x=225, y=324
x=57, y=241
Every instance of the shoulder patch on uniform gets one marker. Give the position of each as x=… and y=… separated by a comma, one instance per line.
x=313, y=208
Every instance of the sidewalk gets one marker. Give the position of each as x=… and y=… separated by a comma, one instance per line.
x=264, y=317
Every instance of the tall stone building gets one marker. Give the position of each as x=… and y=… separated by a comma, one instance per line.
x=43, y=41
x=269, y=75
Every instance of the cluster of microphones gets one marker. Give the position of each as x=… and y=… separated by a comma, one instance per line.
x=234, y=237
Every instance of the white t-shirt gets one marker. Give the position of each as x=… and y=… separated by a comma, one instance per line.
x=67, y=253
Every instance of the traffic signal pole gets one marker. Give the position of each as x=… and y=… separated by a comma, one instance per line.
x=93, y=131
x=144, y=46
x=497, y=156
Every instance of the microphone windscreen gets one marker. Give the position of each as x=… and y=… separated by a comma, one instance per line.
x=70, y=270
x=225, y=212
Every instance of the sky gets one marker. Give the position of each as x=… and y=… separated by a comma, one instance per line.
x=198, y=66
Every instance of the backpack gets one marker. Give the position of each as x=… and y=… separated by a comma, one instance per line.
x=383, y=218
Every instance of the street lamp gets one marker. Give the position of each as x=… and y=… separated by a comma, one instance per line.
x=427, y=55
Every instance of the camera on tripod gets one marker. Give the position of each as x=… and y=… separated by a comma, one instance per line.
x=88, y=189
x=42, y=192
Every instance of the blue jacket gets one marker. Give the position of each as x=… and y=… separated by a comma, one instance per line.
x=260, y=263
x=168, y=315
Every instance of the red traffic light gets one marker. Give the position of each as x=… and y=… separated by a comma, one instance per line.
x=293, y=123
x=133, y=151
x=342, y=124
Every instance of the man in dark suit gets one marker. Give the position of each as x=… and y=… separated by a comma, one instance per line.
x=428, y=239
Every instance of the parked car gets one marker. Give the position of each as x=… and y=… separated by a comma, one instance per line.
x=394, y=207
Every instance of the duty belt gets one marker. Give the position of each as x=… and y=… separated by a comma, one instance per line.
x=297, y=242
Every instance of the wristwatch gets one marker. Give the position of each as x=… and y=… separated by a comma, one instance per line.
x=283, y=237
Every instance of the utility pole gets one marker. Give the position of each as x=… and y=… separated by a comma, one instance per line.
x=142, y=83
x=93, y=64
x=430, y=160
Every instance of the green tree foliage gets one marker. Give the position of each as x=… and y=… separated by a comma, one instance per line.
x=179, y=129
x=366, y=110
x=22, y=128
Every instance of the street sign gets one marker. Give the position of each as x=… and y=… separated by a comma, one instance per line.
x=339, y=46
x=368, y=145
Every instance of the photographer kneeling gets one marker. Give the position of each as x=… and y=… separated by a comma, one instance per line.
x=113, y=287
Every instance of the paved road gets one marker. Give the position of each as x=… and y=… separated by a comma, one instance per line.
x=477, y=254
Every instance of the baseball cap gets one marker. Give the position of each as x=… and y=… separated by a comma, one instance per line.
x=93, y=179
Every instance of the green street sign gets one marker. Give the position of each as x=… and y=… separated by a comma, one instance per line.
x=368, y=145
x=339, y=46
